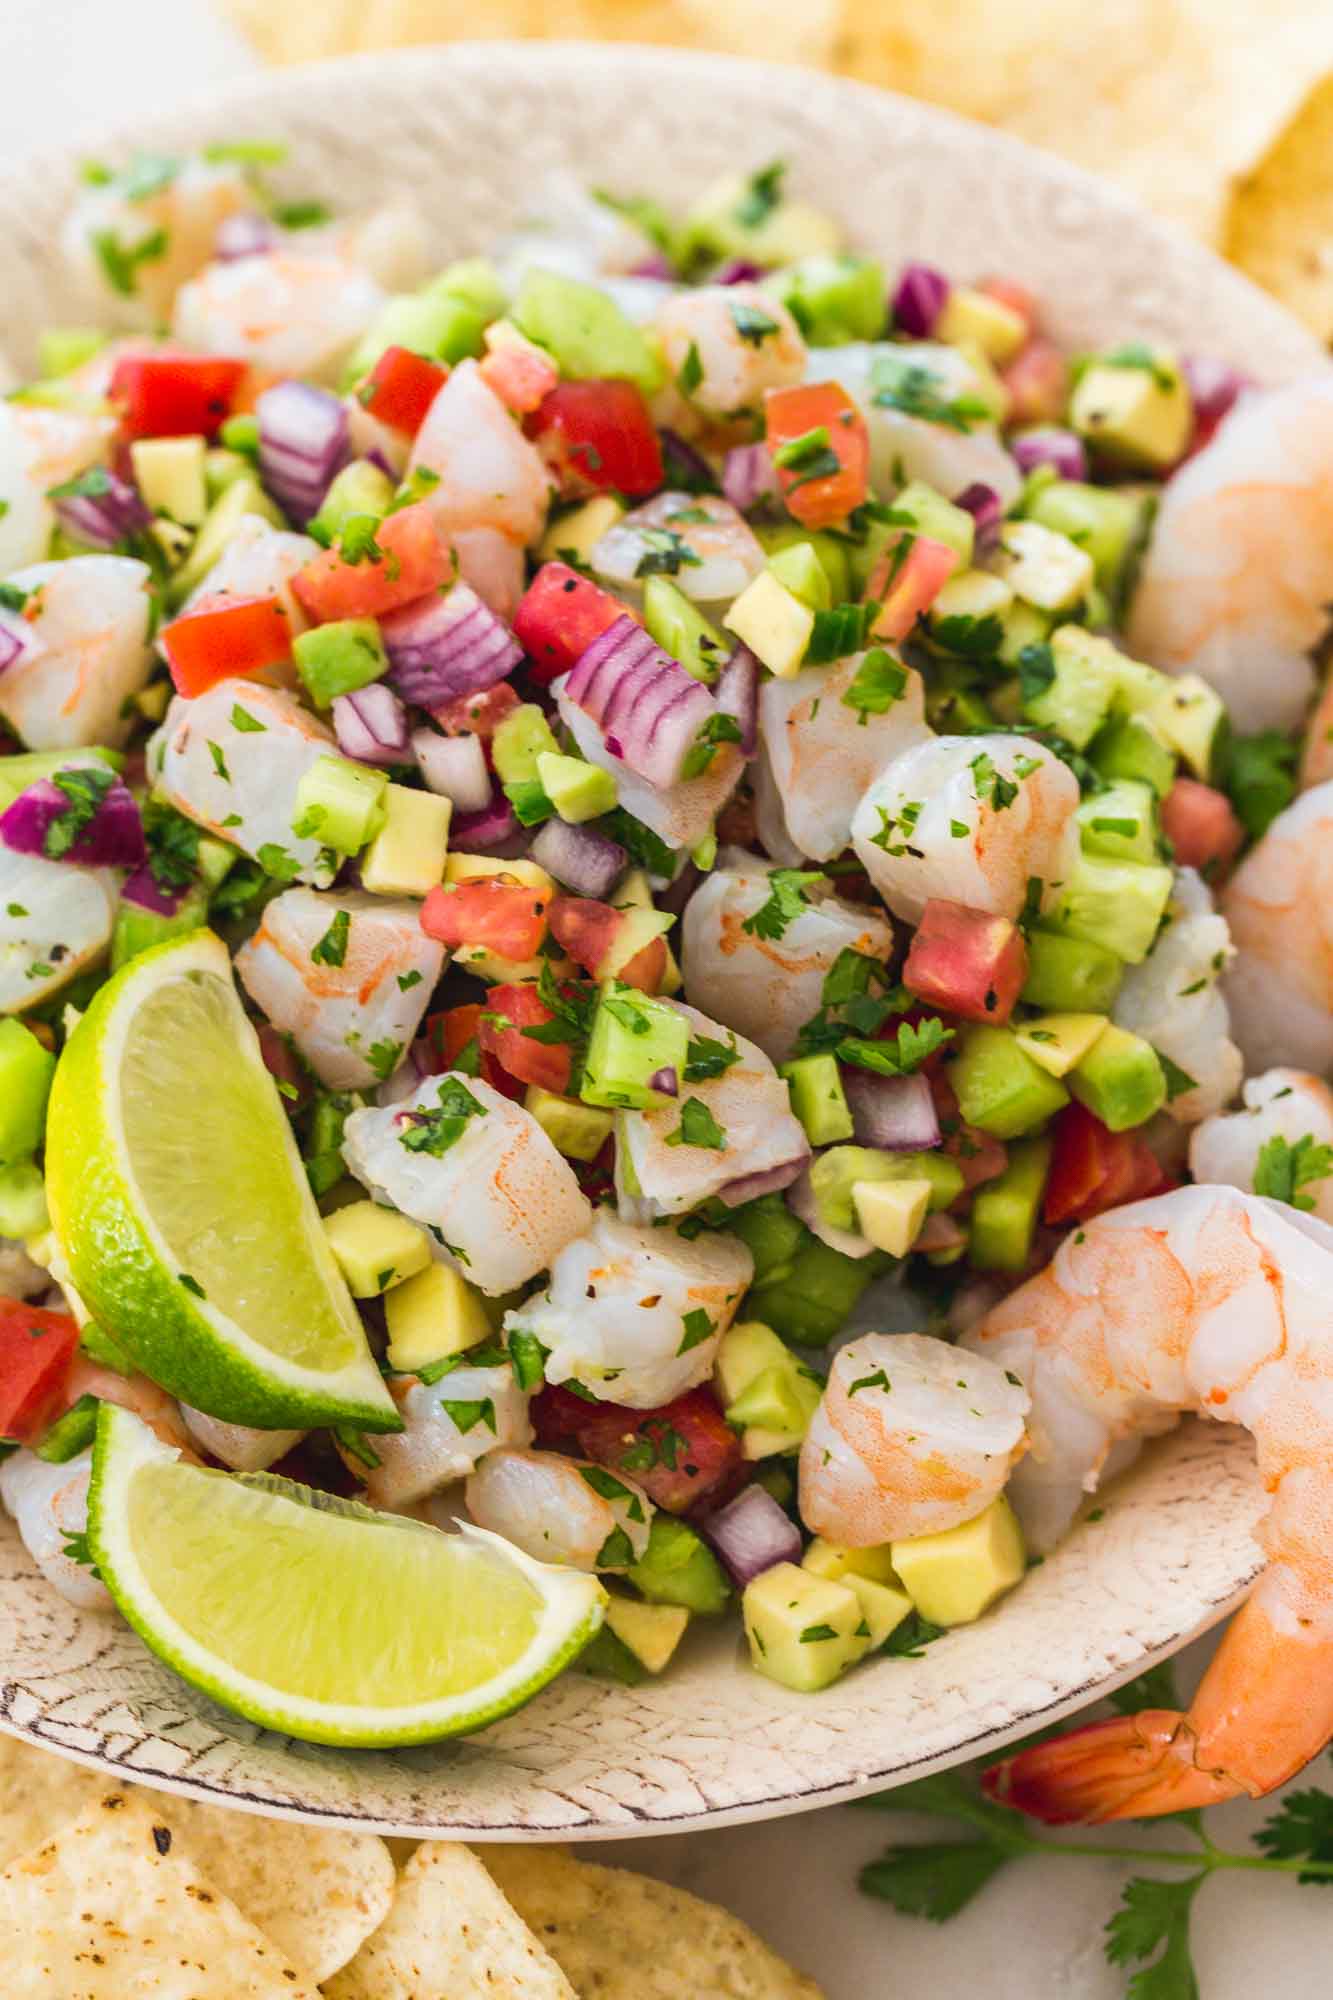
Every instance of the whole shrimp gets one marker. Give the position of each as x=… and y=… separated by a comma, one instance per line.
x=1212, y=1301
x=1279, y=908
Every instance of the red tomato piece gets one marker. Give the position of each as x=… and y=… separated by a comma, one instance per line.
x=36, y=1348
x=679, y=1454
x=165, y=394
x=401, y=388
x=599, y=435
x=286, y=1068
x=906, y=585
x=589, y=931
x=407, y=560
x=450, y=1034
x=225, y=638
x=477, y=714
x=792, y=414
x=1017, y=297
x=1201, y=824
x=1094, y=1169
x=544, y=1063
x=966, y=961
x=560, y=616
x=519, y=372
x=1038, y=383
x=504, y=916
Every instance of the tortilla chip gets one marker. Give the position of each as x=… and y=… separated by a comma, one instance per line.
x=1279, y=226
x=626, y=1937
x=114, y=1909
x=450, y=1936
x=318, y=1894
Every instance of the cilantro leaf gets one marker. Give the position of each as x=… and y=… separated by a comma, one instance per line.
x=466, y=1415
x=436, y=1130
x=120, y=261
x=751, y=324
x=837, y=632
x=878, y=683
x=763, y=193
x=1301, y=1828
x=1178, y=1080
x=1282, y=1170
x=1154, y=1917
x=1260, y=778
x=934, y=1880
x=332, y=947
x=786, y=900
x=705, y=1058
x=528, y=1357
x=645, y=849
x=899, y=1057
x=665, y=553
x=697, y=1328
x=698, y=1127
x=718, y=729
x=616, y=1552
x=919, y=392
x=86, y=791
x=173, y=845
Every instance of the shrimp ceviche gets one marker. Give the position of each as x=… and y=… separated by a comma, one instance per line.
x=576, y=830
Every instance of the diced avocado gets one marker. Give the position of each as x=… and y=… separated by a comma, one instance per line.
x=1116, y=904
x=1132, y=747
x=1024, y=626
x=926, y=512
x=578, y=790
x=677, y=1567
x=799, y=569
x=169, y=473
x=652, y=1632
x=970, y=594
x=1043, y=567
x=774, y=1410
x=1133, y=406
x=433, y=1314
x=987, y=323
x=1120, y=1079
x=801, y=1288
x=775, y=1476
x=1077, y=700
x=474, y=280
x=224, y=517
x=1107, y=521
x=1000, y=1089
x=579, y=529
x=804, y=1630
x=889, y=1214
x=222, y=468
x=633, y=1038
x=375, y=1247
x=137, y=929
x=22, y=1201
x=834, y=1173
x=834, y=299
x=407, y=855
x=1069, y=975
x=747, y=216
x=744, y=1352
x=954, y=1576
x=818, y=1098
x=518, y=741
x=433, y=322
x=339, y=803
x=1189, y=715
x=484, y=867
x=1120, y=822
x=608, y=1658
x=1005, y=1210
x=338, y=658
x=360, y=488
x=774, y=536
x=322, y=1148
x=62, y=349
x=832, y=1560
x=26, y=1070
x=883, y=1606
x=577, y=1130
x=1058, y=1041
x=773, y=623
x=70, y=1434
x=584, y=330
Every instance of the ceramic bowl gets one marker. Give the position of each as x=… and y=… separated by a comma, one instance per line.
x=471, y=131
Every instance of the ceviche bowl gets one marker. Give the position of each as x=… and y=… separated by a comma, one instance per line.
x=1168, y=1550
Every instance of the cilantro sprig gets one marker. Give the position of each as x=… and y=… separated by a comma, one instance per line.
x=1282, y=1170
x=786, y=899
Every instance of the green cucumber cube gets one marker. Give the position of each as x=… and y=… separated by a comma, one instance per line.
x=926, y=512
x=775, y=536
x=436, y=323
x=339, y=658
x=1077, y=700
x=360, y=488
x=818, y=1098
x=26, y=1069
x=517, y=743
x=835, y=1173
x=678, y=1567
x=584, y=330
x=578, y=790
x=340, y=804
x=1120, y=822
x=1116, y=904
x=1070, y=976
x=799, y=568
x=633, y=1037
x=23, y=1201
x=1132, y=747
x=1000, y=1089
x=681, y=629
x=137, y=929
x=1120, y=1079
x=1005, y=1210
x=1108, y=522
x=834, y=299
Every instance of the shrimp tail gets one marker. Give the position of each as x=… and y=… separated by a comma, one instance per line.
x=1130, y=1767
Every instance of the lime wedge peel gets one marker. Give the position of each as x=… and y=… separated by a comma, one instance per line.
x=166, y=1129
x=319, y=1617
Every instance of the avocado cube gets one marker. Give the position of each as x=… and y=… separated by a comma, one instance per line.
x=578, y=790
x=1132, y=747
x=577, y=530
x=926, y=512
x=1077, y=700
x=834, y=1173
x=26, y=1070
x=954, y=1576
x=774, y=1410
x=1134, y=407
x=407, y=855
x=747, y=1349
x=801, y=1288
x=475, y=280
x=608, y=1658
x=1070, y=975
x=339, y=658
x=970, y=594
x=339, y=803
x=831, y=1559
x=834, y=299
x=1120, y=1079
x=584, y=330
x=889, y=1214
x=576, y=1130
x=375, y=1247
x=169, y=473
x=633, y=1038
x=518, y=742
x=1042, y=567
x=1190, y=717
x=737, y=217
x=1120, y=822
x=774, y=536
x=23, y=1212
x=681, y=629
x=432, y=1315
x=678, y=1567
x=883, y=1606
x=1058, y=1041
x=1005, y=1210
x=224, y=517
x=804, y=1630
x=1107, y=521
x=652, y=1632
x=1116, y=904
x=800, y=570
x=360, y=488
x=988, y=323
x=137, y=929
x=773, y=623
x=818, y=1098
x=1000, y=1089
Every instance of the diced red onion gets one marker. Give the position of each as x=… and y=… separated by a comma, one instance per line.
x=683, y=466
x=666, y=1080
x=371, y=726
x=940, y=1232
x=16, y=638
x=143, y=889
x=113, y=838
x=494, y=830
x=738, y=271
x=985, y=506
x=580, y=858
x=895, y=1113
x=443, y=647
x=454, y=767
x=772, y=1180
x=303, y=441
x=1050, y=444
x=649, y=710
x=1213, y=385
x=103, y=520
x=249, y=234
x=748, y=476
x=751, y=1534
x=919, y=298
x=737, y=693
x=659, y=265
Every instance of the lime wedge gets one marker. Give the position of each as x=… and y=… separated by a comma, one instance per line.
x=317, y=1616
x=180, y=1203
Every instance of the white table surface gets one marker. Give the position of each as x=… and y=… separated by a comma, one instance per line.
x=72, y=66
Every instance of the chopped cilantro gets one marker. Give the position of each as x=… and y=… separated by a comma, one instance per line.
x=837, y=632
x=219, y=762
x=707, y=1058
x=691, y=372
x=616, y=1552
x=786, y=899
x=332, y=947
x=763, y=193
x=665, y=553
x=529, y=1358
x=384, y=1058
x=121, y=261
x=753, y=325
x=698, y=1127
x=86, y=791
x=244, y=723
x=899, y=1057
x=697, y=1327
x=1282, y=1170
x=878, y=683
x=436, y=1130
x=466, y=1415
x=718, y=729
x=920, y=392
x=277, y=862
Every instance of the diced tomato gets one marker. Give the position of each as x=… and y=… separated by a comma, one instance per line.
x=1038, y=383
x=401, y=388
x=36, y=1348
x=225, y=638
x=545, y=1063
x=504, y=916
x=1201, y=824
x=175, y=395
x=589, y=931
x=908, y=584
x=1094, y=1169
x=968, y=962
x=1017, y=297
x=516, y=370
x=792, y=414
x=477, y=714
x=560, y=616
x=285, y=1067
x=679, y=1454
x=449, y=1034
x=598, y=435
x=408, y=560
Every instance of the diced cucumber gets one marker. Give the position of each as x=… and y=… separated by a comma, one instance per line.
x=1131, y=747
x=339, y=803
x=926, y=512
x=339, y=657
x=681, y=629
x=774, y=536
x=1116, y=904
x=1000, y=1089
x=633, y=1039
x=799, y=568
x=584, y=330
x=137, y=929
x=1085, y=679
x=833, y=299
x=1005, y=1210
x=678, y=1567
x=1120, y=822
x=818, y=1098
x=360, y=488
x=517, y=742
x=1120, y=1079
x=26, y=1070
x=1107, y=521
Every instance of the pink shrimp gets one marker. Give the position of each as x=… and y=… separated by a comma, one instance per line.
x=1280, y=986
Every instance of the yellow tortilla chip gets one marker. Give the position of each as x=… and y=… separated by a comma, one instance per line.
x=113, y=1908
x=626, y=1937
x=1279, y=225
x=316, y=1894
x=450, y=1936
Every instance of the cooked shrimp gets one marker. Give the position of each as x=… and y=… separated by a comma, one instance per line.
x=1288, y=1105
x=971, y=818
x=1176, y=1002
x=822, y=752
x=164, y=235
x=947, y=456
x=90, y=616
x=560, y=1510
x=910, y=1437
x=635, y=1315
x=364, y=996
x=20, y=1276
x=284, y=313
x=709, y=548
x=1234, y=585
x=1279, y=909
x=211, y=771
x=49, y=1504
x=1216, y=1302
x=134, y=1392
x=55, y=919
x=744, y=341
x=499, y=1200
x=682, y=815
x=41, y=448
x=238, y=1445
x=259, y=561
x=492, y=562
x=448, y=1426
x=489, y=475
x=768, y=988
x=1317, y=755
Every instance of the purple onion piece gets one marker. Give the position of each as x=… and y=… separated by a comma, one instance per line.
x=443, y=647
x=751, y=1534
x=649, y=710
x=489, y=831
x=249, y=234
x=371, y=726
x=748, y=476
x=146, y=893
x=919, y=298
x=112, y=838
x=1050, y=444
x=303, y=441
x=454, y=767
x=894, y=1113
x=581, y=859
x=737, y=271
x=737, y=693
x=1213, y=385
x=16, y=638
x=985, y=506
x=659, y=265
x=105, y=518
x=772, y=1180
x=666, y=1080
x=685, y=467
